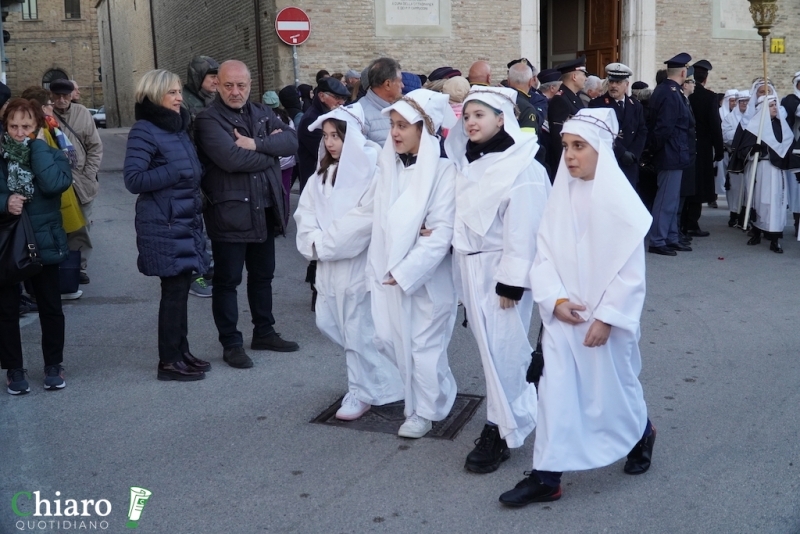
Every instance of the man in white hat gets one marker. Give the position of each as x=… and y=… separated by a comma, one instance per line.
x=628, y=147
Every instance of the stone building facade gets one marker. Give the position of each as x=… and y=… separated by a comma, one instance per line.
x=425, y=34
x=53, y=39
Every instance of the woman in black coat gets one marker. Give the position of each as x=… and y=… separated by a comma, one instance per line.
x=162, y=167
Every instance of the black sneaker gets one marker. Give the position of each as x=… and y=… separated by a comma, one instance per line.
x=641, y=455
x=237, y=357
x=273, y=342
x=17, y=385
x=84, y=278
x=529, y=490
x=489, y=452
x=54, y=378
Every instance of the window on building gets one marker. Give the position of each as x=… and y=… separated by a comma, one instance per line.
x=30, y=10
x=72, y=9
x=53, y=75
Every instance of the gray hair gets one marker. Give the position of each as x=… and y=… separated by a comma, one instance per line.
x=549, y=85
x=383, y=69
x=520, y=74
x=155, y=84
x=593, y=83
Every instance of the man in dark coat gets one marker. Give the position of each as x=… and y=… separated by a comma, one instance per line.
x=710, y=149
x=668, y=140
x=791, y=103
x=565, y=103
x=239, y=142
x=329, y=94
x=628, y=147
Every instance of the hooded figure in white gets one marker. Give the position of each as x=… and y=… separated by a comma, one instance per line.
x=501, y=191
x=735, y=180
x=590, y=264
x=409, y=265
x=792, y=187
x=722, y=166
x=334, y=228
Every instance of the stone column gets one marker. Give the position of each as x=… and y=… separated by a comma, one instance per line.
x=530, y=36
x=638, y=46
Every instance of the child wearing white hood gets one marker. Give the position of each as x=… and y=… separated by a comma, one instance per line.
x=409, y=264
x=334, y=228
x=588, y=279
x=501, y=191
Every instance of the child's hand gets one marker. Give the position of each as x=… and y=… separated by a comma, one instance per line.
x=506, y=303
x=597, y=336
x=567, y=312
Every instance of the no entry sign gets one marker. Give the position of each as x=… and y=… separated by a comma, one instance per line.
x=293, y=26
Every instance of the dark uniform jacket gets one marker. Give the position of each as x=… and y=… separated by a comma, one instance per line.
x=564, y=104
x=243, y=187
x=710, y=147
x=632, y=133
x=790, y=103
x=668, y=127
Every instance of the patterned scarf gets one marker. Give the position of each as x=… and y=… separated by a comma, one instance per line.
x=20, y=177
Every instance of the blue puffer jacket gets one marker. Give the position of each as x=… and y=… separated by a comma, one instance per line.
x=52, y=176
x=161, y=166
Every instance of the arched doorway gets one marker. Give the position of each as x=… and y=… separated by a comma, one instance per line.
x=53, y=75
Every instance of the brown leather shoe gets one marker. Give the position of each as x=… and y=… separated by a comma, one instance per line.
x=197, y=363
x=180, y=371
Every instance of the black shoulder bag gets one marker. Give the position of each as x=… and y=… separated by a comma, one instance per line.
x=19, y=255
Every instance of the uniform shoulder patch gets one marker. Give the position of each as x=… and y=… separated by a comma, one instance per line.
x=673, y=88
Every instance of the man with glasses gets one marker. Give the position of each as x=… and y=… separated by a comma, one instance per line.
x=77, y=124
x=564, y=104
x=329, y=94
x=628, y=147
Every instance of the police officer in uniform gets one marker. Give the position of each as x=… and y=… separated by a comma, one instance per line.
x=628, y=147
x=564, y=104
x=668, y=139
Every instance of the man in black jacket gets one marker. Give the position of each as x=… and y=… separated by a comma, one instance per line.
x=710, y=149
x=239, y=144
x=565, y=103
x=628, y=147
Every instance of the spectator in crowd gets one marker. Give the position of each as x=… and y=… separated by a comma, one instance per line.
x=32, y=177
x=456, y=88
x=290, y=100
x=198, y=93
x=385, y=88
x=410, y=82
x=351, y=78
x=321, y=75
x=306, y=95
x=288, y=163
x=550, y=80
x=76, y=93
x=564, y=104
x=77, y=124
x=161, y=166
x=592, y=89
x=480, y=73
x=239, y=143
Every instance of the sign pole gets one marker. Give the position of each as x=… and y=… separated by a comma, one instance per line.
x=294, y=60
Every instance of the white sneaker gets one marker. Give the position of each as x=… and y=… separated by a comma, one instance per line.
x=352, y=408
x=414, y=427
x=72, y=296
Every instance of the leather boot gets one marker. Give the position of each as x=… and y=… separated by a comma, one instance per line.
x=641, y=455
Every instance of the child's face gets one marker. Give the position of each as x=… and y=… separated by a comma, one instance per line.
x=333, y=143
x=405, y=136
x=773, y=109
x=480, y=122
x=580, y=157
x=742, y=105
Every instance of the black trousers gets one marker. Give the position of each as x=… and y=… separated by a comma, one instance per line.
x=173, y=317
x=51, y=318
x=691, y=215
x=229, y=261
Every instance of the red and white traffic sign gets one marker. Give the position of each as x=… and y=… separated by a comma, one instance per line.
x=293, y=26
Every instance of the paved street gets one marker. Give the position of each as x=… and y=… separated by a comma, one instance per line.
x=235, y=453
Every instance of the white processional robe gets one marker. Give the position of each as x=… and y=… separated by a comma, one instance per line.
x=334, y=225
x=414, y=319
x=769, y=196
x=495, y=241
x=591, y=405
x=735, y=193
x=792, y=187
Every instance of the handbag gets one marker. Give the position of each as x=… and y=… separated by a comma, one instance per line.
x=71, y=214
x=19, y=255
x=536, y=368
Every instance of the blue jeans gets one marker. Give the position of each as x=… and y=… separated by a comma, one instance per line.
x=229, y=259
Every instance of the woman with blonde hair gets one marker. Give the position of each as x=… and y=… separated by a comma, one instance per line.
x=162, y=167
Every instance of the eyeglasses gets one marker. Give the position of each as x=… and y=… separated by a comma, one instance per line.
x=690, y=81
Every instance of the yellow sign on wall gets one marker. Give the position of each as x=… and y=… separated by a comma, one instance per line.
x=777, y=45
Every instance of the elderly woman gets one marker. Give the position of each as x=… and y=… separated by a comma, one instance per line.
x=162, y=167
x=32, y=178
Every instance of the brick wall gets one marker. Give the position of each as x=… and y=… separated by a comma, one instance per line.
x=128, y=32
x=53, y=42
x=684, y=27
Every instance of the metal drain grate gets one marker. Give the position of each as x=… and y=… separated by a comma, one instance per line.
x=388, y=418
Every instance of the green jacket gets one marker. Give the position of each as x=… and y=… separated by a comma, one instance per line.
x=52, y=176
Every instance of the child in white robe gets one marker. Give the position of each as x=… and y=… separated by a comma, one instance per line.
x=588, y=279
x=409, y=263
x=734, y=180
x=501, y=191
x=334, y=229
